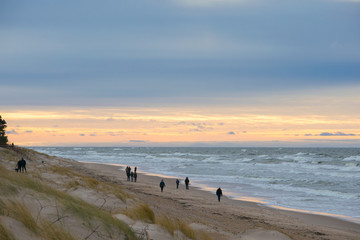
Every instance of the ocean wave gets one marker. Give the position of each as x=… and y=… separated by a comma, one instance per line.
x=352, y=158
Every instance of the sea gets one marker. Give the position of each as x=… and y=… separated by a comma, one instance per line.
x=313, y=180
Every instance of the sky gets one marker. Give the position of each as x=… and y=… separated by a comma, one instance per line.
x=271, y=73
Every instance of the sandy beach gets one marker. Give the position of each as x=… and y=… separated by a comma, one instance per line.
x=198, y=209
x=231, y=218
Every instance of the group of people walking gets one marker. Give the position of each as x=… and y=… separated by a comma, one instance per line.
x=131, y=175
x=187, y=182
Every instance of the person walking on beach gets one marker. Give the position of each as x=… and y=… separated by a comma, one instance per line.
x=162, y=185
x=128, y=173
x=177, y=183
x=132, y=176
x=135, y=175
x=219, y=193
x=187, y=181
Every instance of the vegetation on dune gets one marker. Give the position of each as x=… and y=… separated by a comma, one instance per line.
x=88, y=213
x=141, y=212
x=167, y=223
x=21, y=213
x=7, y=189
x=173, y=225
x=5, y=234
x=91, y=183
x=54, y=232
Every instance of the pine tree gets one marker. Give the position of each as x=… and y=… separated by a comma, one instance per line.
x=3, y=137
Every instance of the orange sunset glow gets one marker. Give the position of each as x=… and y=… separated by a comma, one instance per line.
x=146, y=126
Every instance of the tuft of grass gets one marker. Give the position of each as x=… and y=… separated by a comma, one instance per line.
x=186, y=230
x=141, y=212
x=91, y=182
x=73, y=184
x=116, y=190
x=172, y=225
x=7, y=189
x=20, y=212
x=64, y=171
x=167, y=223
x=53, y=232
x=5, y=234
x=202, y=235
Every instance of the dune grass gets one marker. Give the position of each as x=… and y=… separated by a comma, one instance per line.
x=73, y=184
x=173, y=225
x=202, y=235
x=9, y=155
x=5, y=234
x=167, y=223
x=78, y=207
x=186, y=230
x=53, y=232
x=7, y=189
x=89, y=182
x=65, y=171
x=96, y=185
x=141, y=212
x=116, y=190
x=21, y=213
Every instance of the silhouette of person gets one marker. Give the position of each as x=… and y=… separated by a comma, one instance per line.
x=162, y=185
x=219, y=193
x=135, y=176
x=132, y=176
x=187, y=181
x=177, y=183
x=21, y=165
x=128, y=173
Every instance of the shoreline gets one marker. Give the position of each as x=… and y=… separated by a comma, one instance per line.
x=261, y=175
x=245, y=200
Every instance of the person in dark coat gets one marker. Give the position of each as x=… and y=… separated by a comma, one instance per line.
x=21, y=165
x=219, y=193
x=177, y=183
x=187, y=181
x=128, y=169
x=135, y=176
x=162, y=185
x=132, y=176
